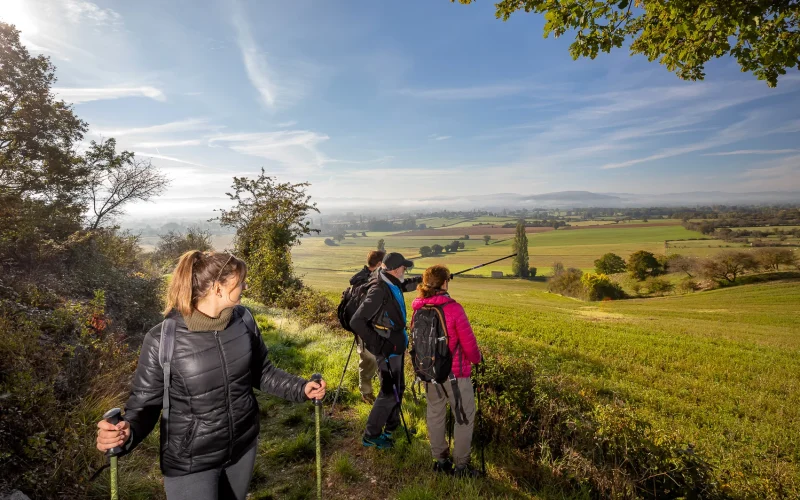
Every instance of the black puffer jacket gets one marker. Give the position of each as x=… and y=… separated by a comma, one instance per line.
x=380, y=305
x=214, y=416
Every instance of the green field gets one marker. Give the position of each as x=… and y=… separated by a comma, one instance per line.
x=716, y=369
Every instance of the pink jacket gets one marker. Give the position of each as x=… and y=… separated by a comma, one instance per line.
x=461, y=340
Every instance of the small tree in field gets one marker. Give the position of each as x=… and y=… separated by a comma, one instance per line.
x=461, y=245
x=609, y=263
x=680, y=263
x=426, y=251
x=486, y=238
x=519, y=266
x=771, y=258
x=270, y=217
x=642, y=264
x=382, y=245
x=339, y=237
x=437, y=249
x=455, y=245
x=728, y=265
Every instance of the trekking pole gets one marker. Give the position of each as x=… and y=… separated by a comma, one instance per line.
x=317, y=416
x=112, y=416
x=341, y=380
x=481, y=433
x=397, y=399
x=482, y=265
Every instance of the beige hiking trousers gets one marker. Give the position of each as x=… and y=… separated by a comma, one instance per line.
x=438, y=398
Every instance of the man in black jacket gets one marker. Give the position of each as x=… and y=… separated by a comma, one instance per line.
x=380, y=322
x=367, y=367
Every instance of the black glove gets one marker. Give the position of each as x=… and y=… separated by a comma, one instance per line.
x=450, y=278
x=415, y=279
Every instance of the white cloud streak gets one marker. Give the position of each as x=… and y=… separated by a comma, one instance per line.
x=188, y=125
x=79, y=11
x=169, y=144
x=294, y=148
x=168, y=158
x=255, y=62
x=755, y=152
x=80, y=95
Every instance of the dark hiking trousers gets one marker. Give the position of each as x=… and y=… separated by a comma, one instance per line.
x=385, y=414
x=230, y=483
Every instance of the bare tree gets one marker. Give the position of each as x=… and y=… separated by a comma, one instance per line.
x=681, y=263
x=118, y=179
x=771, y=258
x=727, y=265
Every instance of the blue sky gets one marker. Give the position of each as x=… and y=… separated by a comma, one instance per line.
x=400, y=100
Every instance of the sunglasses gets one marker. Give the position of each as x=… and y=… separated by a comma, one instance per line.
x=230, y=256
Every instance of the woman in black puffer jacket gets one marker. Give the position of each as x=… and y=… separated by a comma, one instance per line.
x=208, y=444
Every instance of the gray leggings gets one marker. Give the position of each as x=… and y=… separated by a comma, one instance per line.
x=216, y=484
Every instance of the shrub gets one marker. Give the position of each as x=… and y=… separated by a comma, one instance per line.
x=609, y=263
x=532, y=272
x=681, y=263
x=437, y=249
x=330, y=242
x=309, y=307
x=567, y=282
x=642, y=264
x=659, y=286
x=426, y=251
x=688, y=285
x=600, y=287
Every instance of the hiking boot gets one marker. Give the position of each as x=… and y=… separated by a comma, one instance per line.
x=466, y=471
x=387, y=435
x=368, y=398
x=379, y=442
x=444, y=465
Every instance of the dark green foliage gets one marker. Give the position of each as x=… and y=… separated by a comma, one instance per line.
x=486, y=238
x=519, y=266
x=642, y=264
x=270, y=217
x=659, y=286
x=600, y=287
x=683, y=36
x=426, y=251
x=532, y=272
x=437, y=249
x=609, y=263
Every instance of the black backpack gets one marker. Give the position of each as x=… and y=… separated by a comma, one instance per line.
x=352, y=297
x=430, y=352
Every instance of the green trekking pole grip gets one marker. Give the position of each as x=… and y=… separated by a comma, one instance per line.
x=317, y=416
x=113, y=416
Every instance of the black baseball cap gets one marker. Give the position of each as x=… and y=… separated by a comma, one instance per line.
x=394, y=260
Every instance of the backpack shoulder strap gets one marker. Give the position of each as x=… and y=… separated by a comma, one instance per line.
x=166, y=346
x=249, y=320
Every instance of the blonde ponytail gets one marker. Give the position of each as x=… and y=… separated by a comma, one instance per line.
x=179, y=294
x=194, y=275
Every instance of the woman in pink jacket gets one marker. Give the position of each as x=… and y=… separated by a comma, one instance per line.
x=464, y=348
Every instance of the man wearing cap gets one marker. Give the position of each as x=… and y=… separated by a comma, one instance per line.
x=367, y=366
x=380, y=322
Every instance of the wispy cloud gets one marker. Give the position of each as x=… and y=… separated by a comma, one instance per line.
x=169, y=144
x=168, y=158
x=440, y=137
x=79, y=95
x=255, y=62
x=82, y=10
x=491, y=91
x=295, y=148
x=188, y=125
x=288, y=124
x=755, y=152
